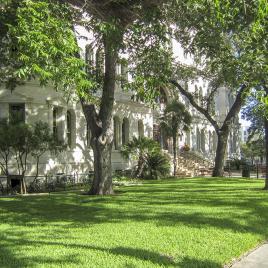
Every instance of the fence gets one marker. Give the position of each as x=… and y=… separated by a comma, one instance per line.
x=50, y=183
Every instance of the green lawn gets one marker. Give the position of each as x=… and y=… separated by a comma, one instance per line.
x=199, y=222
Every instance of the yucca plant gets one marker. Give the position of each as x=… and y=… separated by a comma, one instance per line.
x=157, y=165
x=140, y=149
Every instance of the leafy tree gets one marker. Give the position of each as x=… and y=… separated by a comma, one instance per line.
x=256, y=112
x=43, y=141
x=253, y=149
x=15, y=148
x=18, y=141
x=49, y=53
x=175, y=120
x=215, y=30
x=222, y=37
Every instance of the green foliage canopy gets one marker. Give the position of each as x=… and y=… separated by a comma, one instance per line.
x=37, y=42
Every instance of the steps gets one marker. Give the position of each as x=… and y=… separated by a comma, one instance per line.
x=189, y=164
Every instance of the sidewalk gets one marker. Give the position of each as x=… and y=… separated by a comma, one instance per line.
x=256, y=259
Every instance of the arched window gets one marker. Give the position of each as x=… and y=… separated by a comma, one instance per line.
x=198, y=139
x=125, y=131
x=55, y=123
x=140, y=129
x=210, y=141
x=71, y=129
x=215, y=140
x=203, y=140
x=117, y=134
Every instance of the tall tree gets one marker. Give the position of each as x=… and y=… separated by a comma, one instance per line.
x=50, y=54
x=213, y=30
x=175, y=120
x=222, y=37
x=256, y=112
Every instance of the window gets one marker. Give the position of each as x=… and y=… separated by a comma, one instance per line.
x=203, y=141
x=198, y=139
x=69, y=129
x=140, y=129
x=215, y=140
x=116, y=133
x=17, y=112
x=55, y=127
x=125, y=131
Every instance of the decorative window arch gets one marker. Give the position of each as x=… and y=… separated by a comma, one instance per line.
x=125, y=131
x=210, y=141
x=198, y=139
x=55, y=122
x=140, y=128
x=117, y=134
x=203, y=141
x=215, y=140
x=58, y=123
x=70, y=128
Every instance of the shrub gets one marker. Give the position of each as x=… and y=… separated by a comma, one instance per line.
x=151, y=162
x=157, y=165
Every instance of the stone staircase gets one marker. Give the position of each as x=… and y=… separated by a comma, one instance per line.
x=190, y=164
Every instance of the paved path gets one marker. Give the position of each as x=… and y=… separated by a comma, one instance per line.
x=256, y=259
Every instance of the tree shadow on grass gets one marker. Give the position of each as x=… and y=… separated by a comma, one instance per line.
x=151, y=257
x=9, y=257
x=168, y=204
x=76, y=210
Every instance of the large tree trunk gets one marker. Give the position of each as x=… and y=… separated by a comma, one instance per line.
x=100, y=122
x=266, y=153
x=220, y=153
x=223, y=131
x=102, y=183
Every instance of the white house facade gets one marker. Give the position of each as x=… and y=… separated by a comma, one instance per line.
x=131, y=118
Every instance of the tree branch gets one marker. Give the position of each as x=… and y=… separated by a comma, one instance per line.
x=190, y=97
x=92, y=117
x=235, y=107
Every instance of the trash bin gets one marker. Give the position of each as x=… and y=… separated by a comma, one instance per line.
x=246, y=171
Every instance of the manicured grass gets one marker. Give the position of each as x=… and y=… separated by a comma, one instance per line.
x=201, y=222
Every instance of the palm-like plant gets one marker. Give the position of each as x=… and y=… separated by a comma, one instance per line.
x=175, y=120
x=157, y=165
x=139, y=149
